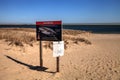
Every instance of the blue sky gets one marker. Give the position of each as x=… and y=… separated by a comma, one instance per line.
x=69, y=11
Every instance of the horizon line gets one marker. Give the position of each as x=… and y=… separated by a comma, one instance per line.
x=64, y=23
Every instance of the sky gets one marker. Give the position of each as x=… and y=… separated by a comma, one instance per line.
x=69, y=11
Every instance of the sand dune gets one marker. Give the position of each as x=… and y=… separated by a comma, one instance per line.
x=99, y=60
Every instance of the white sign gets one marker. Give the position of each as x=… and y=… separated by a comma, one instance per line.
x=58, y=48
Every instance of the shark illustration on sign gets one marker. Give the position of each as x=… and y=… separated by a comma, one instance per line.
x=47, y=31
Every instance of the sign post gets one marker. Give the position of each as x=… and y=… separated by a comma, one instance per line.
x=41, y=60
x=58, y=50
x=49, y=31
x=57, y=66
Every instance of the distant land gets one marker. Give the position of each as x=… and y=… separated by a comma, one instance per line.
x=91, y=24
x=69, y=24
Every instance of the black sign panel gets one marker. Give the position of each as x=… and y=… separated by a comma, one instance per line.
x=49, y=30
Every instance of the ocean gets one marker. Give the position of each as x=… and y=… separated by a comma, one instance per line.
x=95, y=28
x=91, y=28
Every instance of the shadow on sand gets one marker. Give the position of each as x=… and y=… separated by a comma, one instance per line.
x=38, y=68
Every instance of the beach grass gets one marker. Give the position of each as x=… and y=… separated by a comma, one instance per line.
x=19, y=36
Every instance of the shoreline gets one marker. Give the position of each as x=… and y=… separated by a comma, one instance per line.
x=34, y=29
x=103, y=29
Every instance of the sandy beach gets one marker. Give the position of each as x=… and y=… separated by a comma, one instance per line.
x=87, y=56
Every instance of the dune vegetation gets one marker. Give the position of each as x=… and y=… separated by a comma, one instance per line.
x=19, y=36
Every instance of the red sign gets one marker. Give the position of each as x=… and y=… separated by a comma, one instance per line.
x=49, y=30
x=49, y=23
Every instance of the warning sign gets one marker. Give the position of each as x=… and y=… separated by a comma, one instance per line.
x=58, y=48
x=49, y=30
